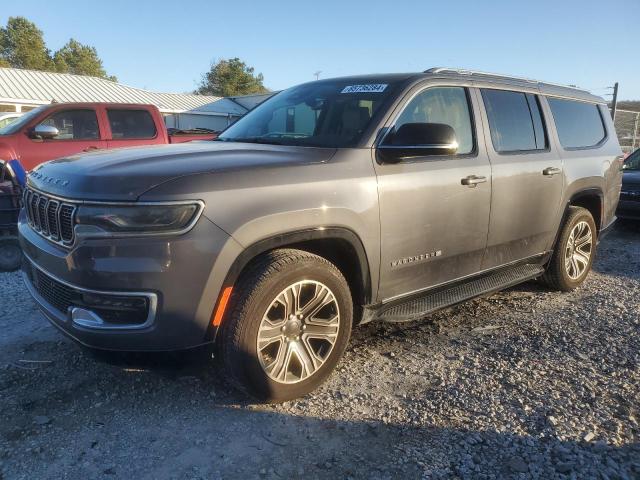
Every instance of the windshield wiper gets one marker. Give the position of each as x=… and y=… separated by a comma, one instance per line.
x=262, y=140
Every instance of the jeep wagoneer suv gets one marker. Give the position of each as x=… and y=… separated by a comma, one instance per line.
x=333, y=203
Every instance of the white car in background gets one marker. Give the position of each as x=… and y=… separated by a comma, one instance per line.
x=8, y=117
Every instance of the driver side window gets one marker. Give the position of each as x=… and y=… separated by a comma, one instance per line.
x=446, y=105
x=74, y=124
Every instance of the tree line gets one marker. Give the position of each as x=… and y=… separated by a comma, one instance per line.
x=22, y=45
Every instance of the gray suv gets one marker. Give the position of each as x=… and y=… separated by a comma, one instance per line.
x=332, y=204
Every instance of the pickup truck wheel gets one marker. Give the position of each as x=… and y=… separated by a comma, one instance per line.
x=574, y=253
x=288, y=325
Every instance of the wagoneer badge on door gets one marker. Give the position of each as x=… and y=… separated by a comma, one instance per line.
x=416, y=258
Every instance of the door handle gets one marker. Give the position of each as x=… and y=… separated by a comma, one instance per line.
x=91, y=148
x=550, y=171
x=473, y=180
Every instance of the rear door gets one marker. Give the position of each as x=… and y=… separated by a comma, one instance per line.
x=527, y=180
x=130, y=127
x=434, y=228
x=79, y=131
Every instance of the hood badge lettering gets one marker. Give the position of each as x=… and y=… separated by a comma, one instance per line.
x=401, y=262
x=50, y=180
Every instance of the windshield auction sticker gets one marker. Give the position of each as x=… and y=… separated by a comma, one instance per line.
x=370, y=88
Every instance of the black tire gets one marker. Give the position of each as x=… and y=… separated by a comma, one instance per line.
x=556, y=275
x=10, y=255
x=255, y=292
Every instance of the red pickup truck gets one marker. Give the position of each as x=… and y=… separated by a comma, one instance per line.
x=61, y=129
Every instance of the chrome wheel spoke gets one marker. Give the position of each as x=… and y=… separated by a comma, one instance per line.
x=327, y=331
x=581, y=260
x=289, y=299
x=584, y=240
x=269, y=334
x=298, y=331
x=307, y=358
x=278, y=370
x=321, y=298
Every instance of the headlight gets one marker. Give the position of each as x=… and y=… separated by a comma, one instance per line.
x=144, y=218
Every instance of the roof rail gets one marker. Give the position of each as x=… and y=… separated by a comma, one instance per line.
x=462, y=71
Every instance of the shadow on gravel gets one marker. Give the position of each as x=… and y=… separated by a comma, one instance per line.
x=171, y=416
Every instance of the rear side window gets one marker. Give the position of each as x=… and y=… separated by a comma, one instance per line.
x=126, y=123
x=74, y=125
x=579, y=124
x=515, y=121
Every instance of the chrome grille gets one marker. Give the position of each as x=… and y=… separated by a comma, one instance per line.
x=50, y=217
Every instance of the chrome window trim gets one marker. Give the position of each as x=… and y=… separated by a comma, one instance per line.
x=151, y=297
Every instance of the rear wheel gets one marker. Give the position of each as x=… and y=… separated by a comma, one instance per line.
x=288, y=325
x=574, y=253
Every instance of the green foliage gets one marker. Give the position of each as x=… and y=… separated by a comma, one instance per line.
x=22, y=46
x=231, y=77
x=79, y=59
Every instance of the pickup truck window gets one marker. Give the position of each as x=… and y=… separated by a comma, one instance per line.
x=331, y=114
x=17, y=125
x=128, y=123
x=448, y=105
x=74, y=125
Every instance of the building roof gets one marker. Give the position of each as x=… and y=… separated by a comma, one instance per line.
x=35, y=87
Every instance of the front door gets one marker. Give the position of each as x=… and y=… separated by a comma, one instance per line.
x=434, y=227
x=527, y=177
x=78, y=132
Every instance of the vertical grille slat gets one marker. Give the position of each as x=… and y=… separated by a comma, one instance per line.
x=42, y=215
x=67, y=213
x=51, y=218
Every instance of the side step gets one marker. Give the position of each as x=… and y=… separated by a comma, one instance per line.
x=435, y=300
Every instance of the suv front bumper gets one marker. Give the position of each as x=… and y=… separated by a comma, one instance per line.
x=130, y=294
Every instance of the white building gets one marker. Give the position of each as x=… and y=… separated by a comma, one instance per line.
x=22, y=90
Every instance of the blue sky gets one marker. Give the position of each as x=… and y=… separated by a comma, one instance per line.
x=166, y=46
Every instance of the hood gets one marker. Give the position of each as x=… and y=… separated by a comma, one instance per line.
x=125, y=174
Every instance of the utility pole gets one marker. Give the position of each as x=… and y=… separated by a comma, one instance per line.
x=317, y=74
x=635, y=132
x=614, y=102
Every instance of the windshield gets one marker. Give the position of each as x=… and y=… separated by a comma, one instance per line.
x=633, y=161
x=329, y=114
x=16, y=125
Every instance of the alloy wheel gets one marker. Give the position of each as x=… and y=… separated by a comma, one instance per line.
x=298, y=331
x=578, y=250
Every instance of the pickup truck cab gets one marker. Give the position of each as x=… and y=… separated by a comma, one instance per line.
x=331, y=204
x=63, y=129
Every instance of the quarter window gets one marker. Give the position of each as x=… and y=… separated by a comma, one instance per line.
x=579, y=124
x=515, y=121
x=447, y=105
x=74, y=125
x=127, y=123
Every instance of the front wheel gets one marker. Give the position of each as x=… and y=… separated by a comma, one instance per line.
x=288, y=325
x=574, y=253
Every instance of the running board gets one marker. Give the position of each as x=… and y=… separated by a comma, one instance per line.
x=445, y=297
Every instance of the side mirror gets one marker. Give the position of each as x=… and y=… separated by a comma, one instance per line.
x=418, y=140
x=45, y=131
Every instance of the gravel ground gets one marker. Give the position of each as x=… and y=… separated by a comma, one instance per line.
x=527, y=383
